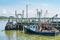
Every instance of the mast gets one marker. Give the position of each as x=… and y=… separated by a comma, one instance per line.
x=22, y=13
x=39, y=13
x=45, y=15
x=26, y=11
x=16, y=15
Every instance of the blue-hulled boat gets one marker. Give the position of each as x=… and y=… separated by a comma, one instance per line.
x=33, y=29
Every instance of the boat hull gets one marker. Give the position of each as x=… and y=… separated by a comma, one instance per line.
x=41, y=33
x=14, y=27
x=9, y=28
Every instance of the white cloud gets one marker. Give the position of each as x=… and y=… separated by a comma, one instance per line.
x=44, y=4
x=52, y=10
x=4, y=11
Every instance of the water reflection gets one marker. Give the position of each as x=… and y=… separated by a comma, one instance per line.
x=17, y=35
x=9, y=35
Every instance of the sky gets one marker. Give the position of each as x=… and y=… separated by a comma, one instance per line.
x=8, y=7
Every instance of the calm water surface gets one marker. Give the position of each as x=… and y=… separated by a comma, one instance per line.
x=19, y=35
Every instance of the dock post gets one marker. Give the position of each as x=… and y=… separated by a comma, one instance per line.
x=23, y=30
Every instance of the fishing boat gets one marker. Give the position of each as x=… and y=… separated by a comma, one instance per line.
x=10, y=25
x=34, y=29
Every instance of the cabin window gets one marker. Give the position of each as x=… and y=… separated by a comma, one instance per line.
x=30, y=26
x=36, y=27
x=33, y=26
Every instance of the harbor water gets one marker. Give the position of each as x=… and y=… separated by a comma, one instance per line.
x=19, y=35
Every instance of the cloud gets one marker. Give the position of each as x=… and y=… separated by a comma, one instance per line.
x=44, y=4
x=52, y=10
x=4, y=11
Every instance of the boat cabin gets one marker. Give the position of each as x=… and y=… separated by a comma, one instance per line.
x=33, y=27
